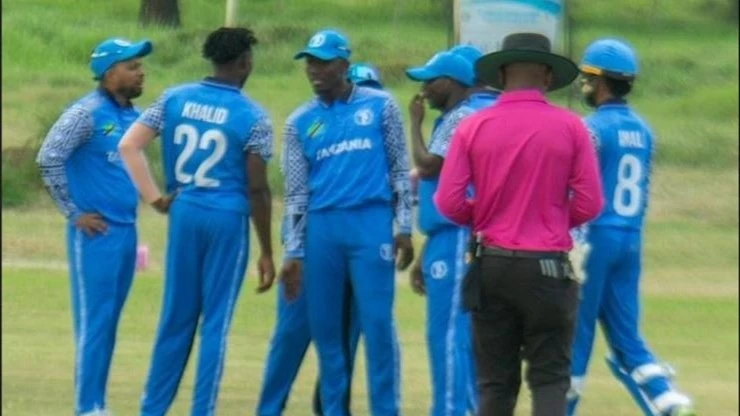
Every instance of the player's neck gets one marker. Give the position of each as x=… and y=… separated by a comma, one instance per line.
x=227, y=77
x=455, y=98
x=119, y=98
x=341, y=92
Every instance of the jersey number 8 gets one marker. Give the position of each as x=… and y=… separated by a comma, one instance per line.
x=193, y=140
x=627, y=193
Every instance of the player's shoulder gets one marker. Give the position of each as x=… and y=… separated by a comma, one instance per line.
x=303, y=112
x=90, y=103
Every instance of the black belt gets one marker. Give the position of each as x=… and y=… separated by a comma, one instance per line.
x=522, y=254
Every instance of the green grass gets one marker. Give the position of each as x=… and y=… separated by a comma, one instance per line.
x=690, y=315
x=37, y=354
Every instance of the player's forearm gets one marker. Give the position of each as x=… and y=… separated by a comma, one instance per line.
x=294, y=223
x=262, y=217
x=138, y=169
x=403, y=199
x=426, y=163
x=55, y=182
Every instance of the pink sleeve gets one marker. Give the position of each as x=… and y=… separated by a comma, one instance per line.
x=455, y=178
x=585, y=179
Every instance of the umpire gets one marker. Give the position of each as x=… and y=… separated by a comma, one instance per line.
x=535, y=174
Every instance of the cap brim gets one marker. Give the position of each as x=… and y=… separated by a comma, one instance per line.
x=137, y=50
x=316, y=53
x=563, y=69
x=422, y=74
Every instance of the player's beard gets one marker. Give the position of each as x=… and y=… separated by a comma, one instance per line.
x=131, y=92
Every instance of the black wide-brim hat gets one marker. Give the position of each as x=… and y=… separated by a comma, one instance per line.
x=526, y=47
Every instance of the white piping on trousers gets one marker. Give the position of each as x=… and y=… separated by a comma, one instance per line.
x=82, y=300
x=451, y=329
x=227, y=318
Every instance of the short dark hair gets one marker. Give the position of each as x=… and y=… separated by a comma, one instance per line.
x=618, y=87
x=227, y=44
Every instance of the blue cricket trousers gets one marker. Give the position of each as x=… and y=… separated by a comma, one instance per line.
x=288, y=348
x=449, y=330
x=352, y=249
x=101, y=272
x=207, y=252
x=610, y=295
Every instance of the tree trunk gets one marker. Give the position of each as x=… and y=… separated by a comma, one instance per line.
x=159, y=13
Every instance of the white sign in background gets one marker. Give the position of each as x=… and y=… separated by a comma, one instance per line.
x=485, y=23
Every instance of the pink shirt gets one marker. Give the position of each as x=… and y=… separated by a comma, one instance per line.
x=522, y=155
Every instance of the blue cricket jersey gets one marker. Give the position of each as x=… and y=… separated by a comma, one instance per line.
x=482, y=99
x=624, y=144
x=348, y=154
x=430, y=220
x=207, y=129
x=80, y=164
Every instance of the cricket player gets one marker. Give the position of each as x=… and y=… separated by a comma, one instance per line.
x=85, y=177
x=346, y=178
x=439, y=271
x=612, y=243
x=216, y=142
x=291, y=338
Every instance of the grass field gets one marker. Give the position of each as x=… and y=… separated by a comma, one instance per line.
x=688, y=92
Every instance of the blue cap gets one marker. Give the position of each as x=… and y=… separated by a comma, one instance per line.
x=610, y=57
x=469, y=52
x=326, y=45
x=114, y=50
x=444, y=64
x=364, y=74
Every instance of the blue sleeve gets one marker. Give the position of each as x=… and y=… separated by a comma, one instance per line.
x=72, y=130
x=153, y=116
x=260, y=139
x=295, y=173
x=442, y=135
x=398, y=161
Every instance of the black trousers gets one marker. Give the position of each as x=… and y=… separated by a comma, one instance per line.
x=522, y=315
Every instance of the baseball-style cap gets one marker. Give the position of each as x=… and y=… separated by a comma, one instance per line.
x=114, y=50
x=469, y=52
x=326, y=45
x=364, y=74
x=444, y=64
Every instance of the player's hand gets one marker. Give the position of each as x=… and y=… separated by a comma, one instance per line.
x=417, y=279
x=291, y=274
x=414, y=178
x=416, y=109
x=91, y=224
x=162, y=204
x=404, y=251
x=266, y=271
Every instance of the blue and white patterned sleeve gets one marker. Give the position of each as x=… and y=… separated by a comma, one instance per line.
x=295, y=173
x=442, y=135
x=260, y=139
x=153, y=116
x=398, y=162
x=72, y=130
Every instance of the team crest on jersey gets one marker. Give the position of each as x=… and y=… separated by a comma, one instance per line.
x=109, y=128
x=316, y=129
x=364, y=117
x=386, y=252
x=438, y=269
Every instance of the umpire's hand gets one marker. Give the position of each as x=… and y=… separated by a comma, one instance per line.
x=404, y=251
x=291, y=274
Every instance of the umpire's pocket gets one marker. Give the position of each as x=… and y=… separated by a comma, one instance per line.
x=471, y=287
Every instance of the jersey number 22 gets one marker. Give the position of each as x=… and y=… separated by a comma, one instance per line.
x=193, y=139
